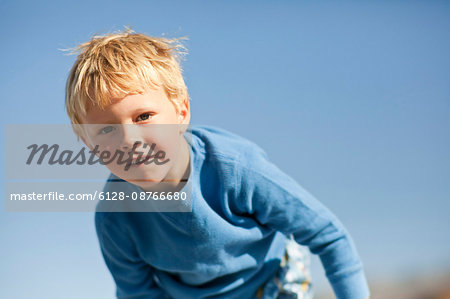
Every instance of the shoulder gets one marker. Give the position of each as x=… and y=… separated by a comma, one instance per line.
x=245, y=160
x=221, y=143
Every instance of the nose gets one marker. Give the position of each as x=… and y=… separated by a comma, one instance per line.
x=130, y=137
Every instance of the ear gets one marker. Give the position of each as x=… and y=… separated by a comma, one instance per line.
x=184, y=115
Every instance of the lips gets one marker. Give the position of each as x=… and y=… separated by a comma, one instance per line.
x=137, y=161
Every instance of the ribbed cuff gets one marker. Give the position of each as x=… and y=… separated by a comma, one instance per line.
x=352, y=286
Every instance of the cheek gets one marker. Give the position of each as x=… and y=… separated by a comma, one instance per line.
x=164, y=138
x=106, y=153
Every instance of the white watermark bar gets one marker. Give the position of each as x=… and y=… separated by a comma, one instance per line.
x=90, y=197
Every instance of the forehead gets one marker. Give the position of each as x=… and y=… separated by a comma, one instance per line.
x=120, y=107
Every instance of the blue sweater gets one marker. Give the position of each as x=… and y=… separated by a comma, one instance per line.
x=243, y=209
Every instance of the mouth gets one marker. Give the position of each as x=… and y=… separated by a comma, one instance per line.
x=140, y=161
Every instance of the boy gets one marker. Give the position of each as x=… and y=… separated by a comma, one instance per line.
x=235, y=241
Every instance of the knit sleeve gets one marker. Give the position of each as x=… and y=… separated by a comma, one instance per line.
x=275, y=200
x=133, y=277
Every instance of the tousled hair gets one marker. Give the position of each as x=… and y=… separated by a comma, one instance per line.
x=117, y=64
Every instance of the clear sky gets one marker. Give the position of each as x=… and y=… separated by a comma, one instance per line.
x=351, y=99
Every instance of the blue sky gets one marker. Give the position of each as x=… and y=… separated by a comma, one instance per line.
x=351, y=99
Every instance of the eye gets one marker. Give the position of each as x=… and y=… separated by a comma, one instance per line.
x=106, y=130
x=144, y=117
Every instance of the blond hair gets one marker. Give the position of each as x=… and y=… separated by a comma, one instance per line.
x=118, y=64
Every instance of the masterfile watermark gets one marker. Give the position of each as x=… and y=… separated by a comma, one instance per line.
x=69, y=157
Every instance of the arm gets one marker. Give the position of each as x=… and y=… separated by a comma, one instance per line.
x=133, y=277
x=277, y=201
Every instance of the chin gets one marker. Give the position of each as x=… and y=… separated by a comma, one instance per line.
x=148, y=177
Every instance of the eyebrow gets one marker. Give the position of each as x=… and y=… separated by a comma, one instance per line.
x=144, y=109
x=105, y=119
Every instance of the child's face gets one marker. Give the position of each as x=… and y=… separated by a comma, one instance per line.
x=132, y=125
